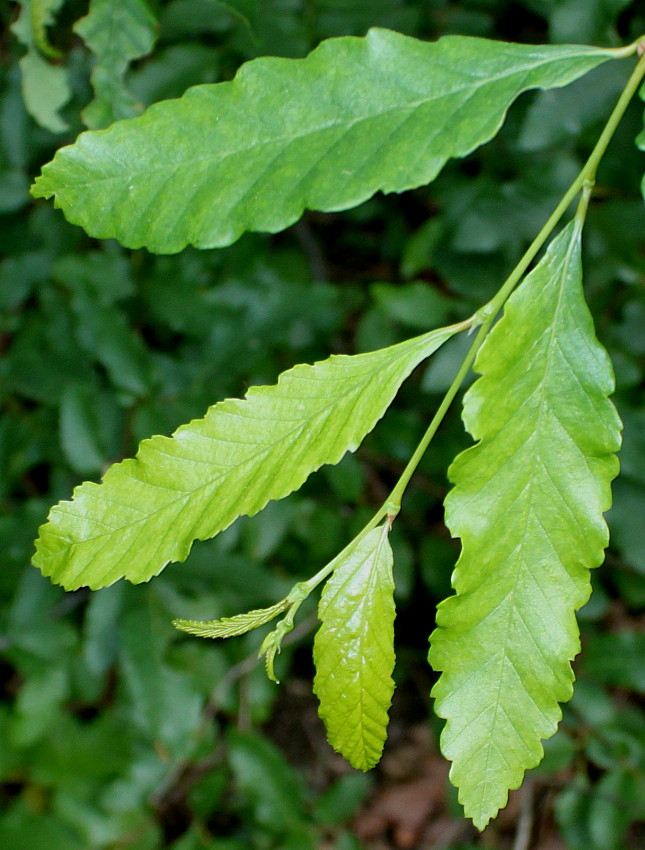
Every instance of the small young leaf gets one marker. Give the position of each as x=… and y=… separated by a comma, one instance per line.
x=117, y=31
x=354, y=650
x=150, y=509
x=358, y=115
x=232, y=626
x=528, y=506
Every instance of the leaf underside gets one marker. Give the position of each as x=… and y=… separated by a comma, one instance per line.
x=354, y=650
x=148, y=510
x=528, y=505
x=358, y=115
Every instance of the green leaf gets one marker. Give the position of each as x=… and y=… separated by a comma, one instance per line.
x=273, y=790
x=80, y=433
x=45, y=90
x=150, y=509
x=232, y=626
x=31, y=26
x=528, y=506
x=116, y=31
x=358, y=115
x=354, y=650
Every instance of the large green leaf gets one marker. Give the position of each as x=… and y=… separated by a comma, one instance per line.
x=150, y=509
x=354, y=650
x=326, y=132
x=528, y=506
x=117, y=31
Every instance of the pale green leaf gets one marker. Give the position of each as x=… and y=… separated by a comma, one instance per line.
x=528, y=506
x=232, y=626
x=45, y=90
x=150, y=509
x=117, y=32
x=354, y=650
x=358, y=115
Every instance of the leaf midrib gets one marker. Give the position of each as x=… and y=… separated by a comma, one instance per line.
x=518, y=553
x=216, y=159
x=365, y=622
x=213, y=481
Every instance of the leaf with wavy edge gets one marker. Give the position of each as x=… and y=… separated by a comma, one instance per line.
x=227, y=627
x=149, y=510
x=354, y=650
x=116, y=31
x=358, y=115
x=528, y=505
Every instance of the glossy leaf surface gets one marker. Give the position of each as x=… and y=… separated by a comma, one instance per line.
x=528, y=505
x=358, y=115
x=354, y=650
x=243, y=453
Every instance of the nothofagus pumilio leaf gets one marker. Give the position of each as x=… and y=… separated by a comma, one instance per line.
x=361, y=115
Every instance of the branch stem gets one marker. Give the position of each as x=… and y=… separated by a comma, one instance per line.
x=486, y=315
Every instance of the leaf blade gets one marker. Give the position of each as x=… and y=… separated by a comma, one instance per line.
x=358, y=115
x=150, y=509
x=238, y=624
x=354, y=650
x=117, y=32
x=528, y=505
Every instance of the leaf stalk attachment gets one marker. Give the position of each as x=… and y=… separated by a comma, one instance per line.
x=485, y=316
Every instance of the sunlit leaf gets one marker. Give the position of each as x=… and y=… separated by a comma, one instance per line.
x=150, y=509
x=528, y=506
x=354, y=650
x=358, y=115
x=231, y=626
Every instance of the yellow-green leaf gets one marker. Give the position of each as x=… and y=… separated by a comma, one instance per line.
x=354, y=650
x=528, y=505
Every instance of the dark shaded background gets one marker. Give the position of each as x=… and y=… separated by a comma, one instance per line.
x=115, y=730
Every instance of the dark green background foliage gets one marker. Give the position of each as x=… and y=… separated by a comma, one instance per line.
x=115, y=730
